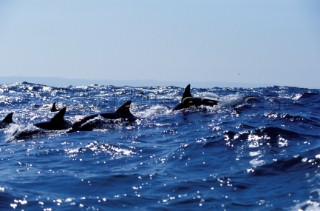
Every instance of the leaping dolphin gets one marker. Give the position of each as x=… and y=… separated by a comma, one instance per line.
x=123, y=112
x=56, y=123
x=189, y=101
x=6, y=121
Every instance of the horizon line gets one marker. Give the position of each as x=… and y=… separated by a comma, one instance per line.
x=62, y=81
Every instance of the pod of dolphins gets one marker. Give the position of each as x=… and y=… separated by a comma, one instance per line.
x=123, y=112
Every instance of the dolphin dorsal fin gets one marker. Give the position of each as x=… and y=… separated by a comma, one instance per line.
x=8, y=118
x=124, y=110
x=187, y=92
x=59, y=116
x=54, y=108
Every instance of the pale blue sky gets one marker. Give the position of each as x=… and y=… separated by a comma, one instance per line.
x=274, y=42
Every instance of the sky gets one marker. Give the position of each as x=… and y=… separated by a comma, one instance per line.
x=274, y=42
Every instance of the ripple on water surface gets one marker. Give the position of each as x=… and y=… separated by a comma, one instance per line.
x=258, y=154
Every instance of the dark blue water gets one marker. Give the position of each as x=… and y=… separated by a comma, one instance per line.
x=254, y=155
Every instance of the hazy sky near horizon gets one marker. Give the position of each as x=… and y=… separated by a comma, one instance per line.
x=274, y=42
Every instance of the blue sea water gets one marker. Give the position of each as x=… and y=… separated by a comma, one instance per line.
x=240, y=155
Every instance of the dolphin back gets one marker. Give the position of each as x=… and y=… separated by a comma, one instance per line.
x=54, y=108
x=124, y=111
x=56, y=123
x=188, y=101
x=6, y=121
x=187, y=92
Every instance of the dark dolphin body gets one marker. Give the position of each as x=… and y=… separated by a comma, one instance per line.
x=26, y=133
x=6, y=121
x=56, y=123
x=42, y=128
x=85, y=124
x=188, y=101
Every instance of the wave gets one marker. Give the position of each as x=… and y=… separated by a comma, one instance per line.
x=96, y=148
x=242, y=154
x=294, y=164
x=268, y=134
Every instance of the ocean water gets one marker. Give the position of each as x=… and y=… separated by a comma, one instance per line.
x=240, y=155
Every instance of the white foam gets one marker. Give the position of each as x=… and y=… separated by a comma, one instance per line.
x=153, y=111
x=231, y=100
x=15, y=129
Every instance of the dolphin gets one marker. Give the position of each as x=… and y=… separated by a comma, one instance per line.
x=56, y=123
x=123, y=112
x=6, y=121
x=54, y=108
x=188, y=101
